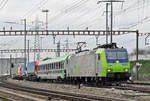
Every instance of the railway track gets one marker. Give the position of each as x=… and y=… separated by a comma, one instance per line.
x=135, y=83
x=132, y=87
x=57, y=94
x=12, y=96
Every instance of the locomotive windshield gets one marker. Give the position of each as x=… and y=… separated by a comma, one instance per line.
x=120, y=54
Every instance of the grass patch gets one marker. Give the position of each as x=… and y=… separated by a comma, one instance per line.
x=145, y=69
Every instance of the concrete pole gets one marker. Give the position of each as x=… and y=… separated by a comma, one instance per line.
x=46, y=11
x=107, y=4
x=137, y=53
x=28, y=51
x=25, y=32
x=111, y=36
x=10, y=65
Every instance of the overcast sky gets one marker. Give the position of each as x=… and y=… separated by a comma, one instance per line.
x=75, y=14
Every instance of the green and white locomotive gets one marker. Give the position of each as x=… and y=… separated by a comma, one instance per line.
x=105, y=63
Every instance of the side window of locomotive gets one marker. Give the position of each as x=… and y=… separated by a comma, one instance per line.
x=99, y=57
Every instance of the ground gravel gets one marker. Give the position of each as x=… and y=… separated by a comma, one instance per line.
x=123, y=94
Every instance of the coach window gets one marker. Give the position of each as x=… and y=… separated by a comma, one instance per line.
x=38, y=68
x=59, y=65
x=56, y=65
x=47, y=67
x=43, y=67
x=52, y=65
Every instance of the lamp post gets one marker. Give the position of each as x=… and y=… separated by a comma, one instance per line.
x=46, y=11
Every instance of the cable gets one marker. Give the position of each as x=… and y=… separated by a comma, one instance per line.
x=34, y=8
x=68, y=10
x=3, y=4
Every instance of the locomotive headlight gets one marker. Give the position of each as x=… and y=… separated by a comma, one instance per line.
x=109, y=70
x=126, y=70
